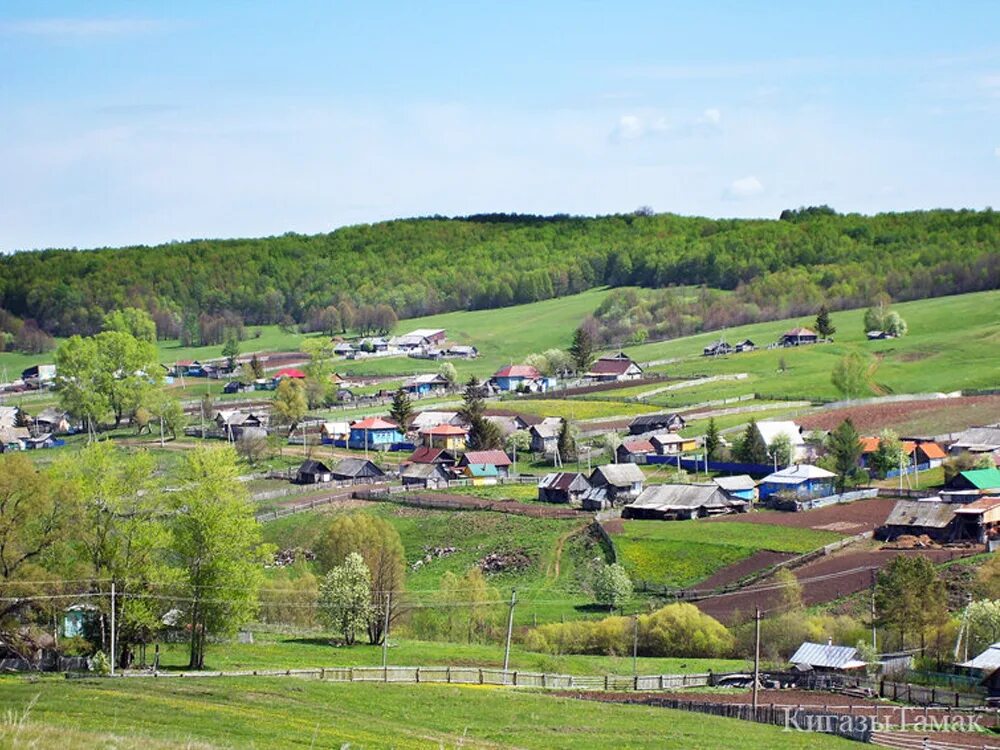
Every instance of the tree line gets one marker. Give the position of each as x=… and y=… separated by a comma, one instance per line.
x=423, y=266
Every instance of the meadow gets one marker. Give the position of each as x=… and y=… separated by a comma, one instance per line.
x=682, y=553
x=290, y=712
x=554, y=554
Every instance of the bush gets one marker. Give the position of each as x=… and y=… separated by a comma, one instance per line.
x=680, y=630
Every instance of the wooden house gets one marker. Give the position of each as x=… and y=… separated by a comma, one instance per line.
x=801, y=480
x=521, y=378
x=375, y=433
x=422, y=385
x=634, y=451
x=798, y=337
x=717, y=349
x=563, y=487
x=647, y=423
x=425, y=455
x=682, y=501
x=447, y=436
x=622, y=483
x=495, y=458
x=740, y=487
x=313, y=472
x=616, y=368
x=545, y=435
x=357, y=470
x=429, y=476
x=672, y=444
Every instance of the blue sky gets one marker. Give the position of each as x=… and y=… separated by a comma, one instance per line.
x=125, y=123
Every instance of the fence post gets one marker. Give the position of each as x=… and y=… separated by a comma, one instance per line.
x=605, y=683
x=418, y=675
x=447, y=674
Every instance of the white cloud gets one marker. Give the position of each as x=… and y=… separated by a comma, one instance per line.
x=632, y=127
x=745, y=187
x=81, y=27
x=996, y=152
x=710, y=116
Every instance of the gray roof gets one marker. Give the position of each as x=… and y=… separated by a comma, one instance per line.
x=922, y=513
x=986, y=661
x=423, y=471
x=357, y=467
x=979, y=438
x=568, y=481
x=619, y=475
x=653, y=420
x=8, y=416
x=668, y=497
x=827, y=656
x=546, y=430
x=738, y=483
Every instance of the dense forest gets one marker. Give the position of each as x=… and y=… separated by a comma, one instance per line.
x=430, y=265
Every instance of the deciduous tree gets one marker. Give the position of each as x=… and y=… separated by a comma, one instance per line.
x=345, y=602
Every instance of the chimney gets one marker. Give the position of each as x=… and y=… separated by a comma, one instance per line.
x=829, y=641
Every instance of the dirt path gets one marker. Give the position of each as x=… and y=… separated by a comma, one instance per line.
x=553, y=569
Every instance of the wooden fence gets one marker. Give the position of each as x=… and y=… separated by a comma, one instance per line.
x=458, y=676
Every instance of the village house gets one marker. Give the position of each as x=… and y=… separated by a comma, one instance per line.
x=357, y=470
x=51, y=420
x=499, y=460
x=801, y=480
x=420, y=338
x=521, y=378
x=462, y=351
x=421, y=385
x=374, y=433
x=425, y=455
x=446, y=436
x=634, y=451
x=508, y=424
x=985, y=439
x=430, y=476
x=771, y=430
x=798, y=337
x=237, y=386
x=313, y=472
x=870, y=445
x=930, y=453
x=746, y=345
x=985, y=663
x=343, y=349
x=929, y=517
x=647, y=423
x=986, y=481
x=545, y=435
x=739, y=487
x=427, y=419
x=291, y=373
x=480, y=475
x=717, y=349
x=617, y=368
x=671, y=444
x=235, y=423
x=13, y=438
x=682, y=501
x=335, y=432
x=565, y=487
x=621, y=483
x=825, y=657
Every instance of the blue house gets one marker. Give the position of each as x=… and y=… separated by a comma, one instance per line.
x=740, y=487
x=521, y=377
x=375, y=432
x=802, y=480
x=424, y=384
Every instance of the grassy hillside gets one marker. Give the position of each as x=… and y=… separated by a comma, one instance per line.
x=951, y=345
x=284, y=712
x=682, y=553
x=550, y=585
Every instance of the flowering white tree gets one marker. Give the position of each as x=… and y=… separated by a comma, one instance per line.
x=345, y=597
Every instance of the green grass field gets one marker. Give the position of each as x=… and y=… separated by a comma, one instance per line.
x=549, y=587
x=289, y=712
x=313, y=650
x=682, y=553
x=575, y=410
x=950, y=346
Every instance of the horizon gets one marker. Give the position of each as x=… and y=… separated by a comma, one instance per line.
x=129, y=125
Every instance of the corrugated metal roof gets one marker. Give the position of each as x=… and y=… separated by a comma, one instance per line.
x=797, y=474
x=925, y=513
x=986, y=661
x=517, y=371
x=983, y=479
x=667, y=497
x=827, y=656
x=493, y=457
x=770, y=429
x=738, y=483
x=565, y=481
x=619, y=475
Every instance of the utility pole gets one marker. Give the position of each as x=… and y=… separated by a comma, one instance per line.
x=113, y=627
x=510, y=629
x=756, y=660
x=874, y=637
x=635, y=645
x=385, y=630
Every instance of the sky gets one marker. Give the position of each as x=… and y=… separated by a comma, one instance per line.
x=139, y=123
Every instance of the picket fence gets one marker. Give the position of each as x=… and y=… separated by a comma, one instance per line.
x=458, y=676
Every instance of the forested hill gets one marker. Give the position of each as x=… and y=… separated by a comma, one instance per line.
x=429, y=265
